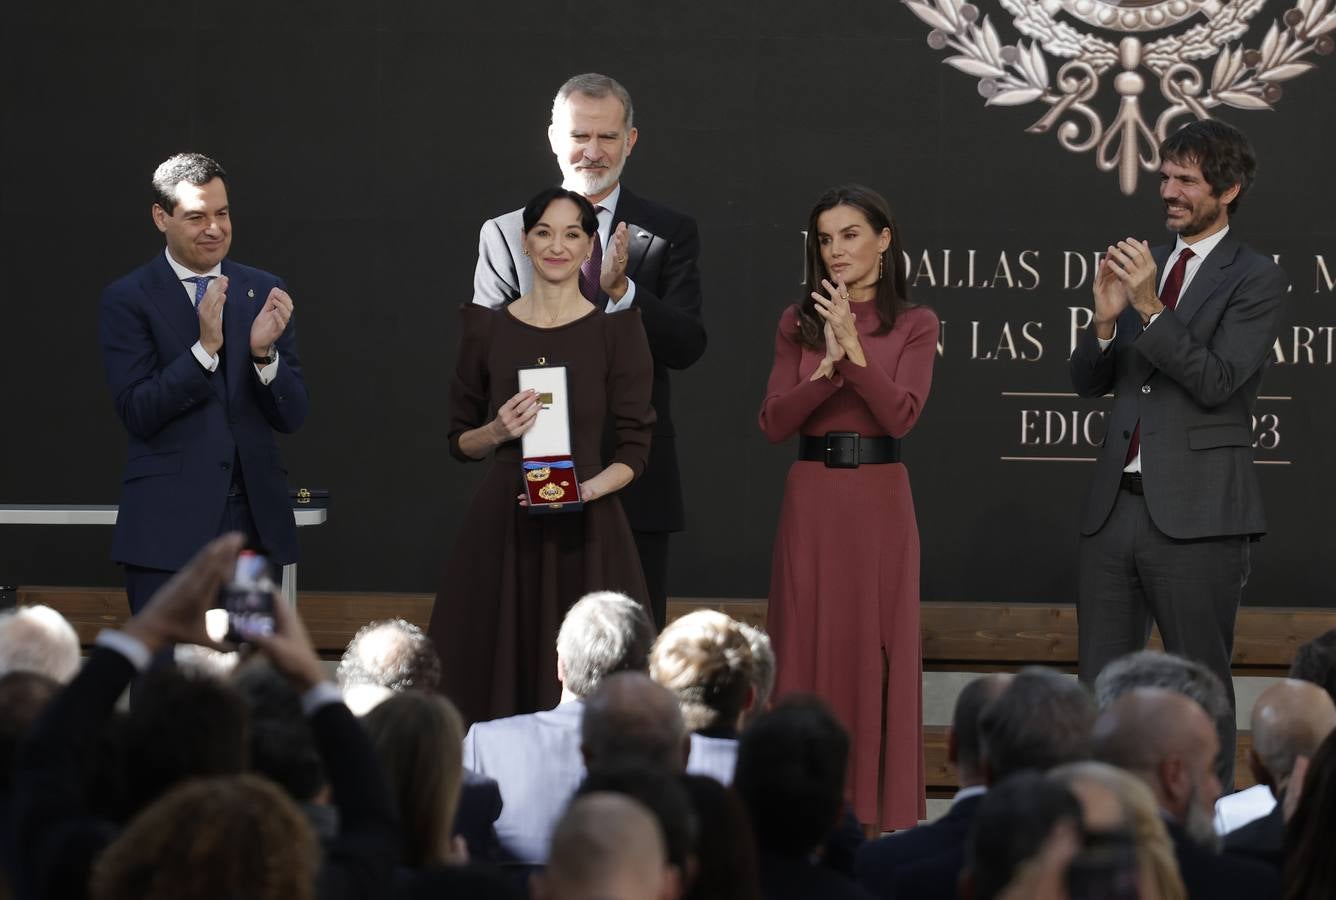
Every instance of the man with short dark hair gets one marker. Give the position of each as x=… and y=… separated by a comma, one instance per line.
x=645, y=259
x=201, y=357
x=1013, y=824
x=536, y=758
x=633, y=719
x=1315, y=661
x=1179, y=335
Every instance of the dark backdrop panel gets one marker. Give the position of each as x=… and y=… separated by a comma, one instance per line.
x=367, y=142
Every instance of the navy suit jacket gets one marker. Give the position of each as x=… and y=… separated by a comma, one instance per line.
x=1211, y=875
x=536, y=760
x=922, y=861
x=661, y=260
x=186, y=426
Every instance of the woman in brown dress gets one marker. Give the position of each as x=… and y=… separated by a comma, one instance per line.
x=853, y=363
x=512, y=575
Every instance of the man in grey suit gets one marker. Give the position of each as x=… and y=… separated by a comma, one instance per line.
x=645, y=257
x=1180, y=336
x=536, y=758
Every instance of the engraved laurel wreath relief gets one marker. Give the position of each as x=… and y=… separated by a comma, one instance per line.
x=1017, y=74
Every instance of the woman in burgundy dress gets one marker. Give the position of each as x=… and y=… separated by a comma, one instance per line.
x=512, y=575
x=853, y=363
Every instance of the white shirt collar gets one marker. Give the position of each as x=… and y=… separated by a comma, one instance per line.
x=183, y=273
x=609, y=202
x=1202, y=248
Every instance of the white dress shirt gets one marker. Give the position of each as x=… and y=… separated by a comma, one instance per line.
x=207, y=359
x=1201, y=249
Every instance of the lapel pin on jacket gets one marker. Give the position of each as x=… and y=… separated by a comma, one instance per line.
x=251, y=293
x=642, y=234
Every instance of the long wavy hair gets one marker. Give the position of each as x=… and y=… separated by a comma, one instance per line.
x=892, y=296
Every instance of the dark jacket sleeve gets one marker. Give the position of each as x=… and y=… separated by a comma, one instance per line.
x=671, y=306
x=470, y=397
x=284, y=401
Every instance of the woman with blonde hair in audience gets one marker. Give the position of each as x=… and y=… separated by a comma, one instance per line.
x=1137, y=814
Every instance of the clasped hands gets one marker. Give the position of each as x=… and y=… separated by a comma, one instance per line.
x=1127, y=276
x=839, y=330
x=612, y=278
x=266, y=329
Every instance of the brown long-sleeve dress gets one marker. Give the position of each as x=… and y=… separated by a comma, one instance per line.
x=512, y=574
x=844, y=584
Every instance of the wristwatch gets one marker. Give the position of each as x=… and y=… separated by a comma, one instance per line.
x=265, y=360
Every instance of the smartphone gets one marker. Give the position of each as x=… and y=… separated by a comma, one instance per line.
x=249, y=599
x=1105, y=870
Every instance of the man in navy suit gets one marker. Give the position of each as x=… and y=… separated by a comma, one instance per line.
x=201, y=358
x=536, y=758
x=645, y=257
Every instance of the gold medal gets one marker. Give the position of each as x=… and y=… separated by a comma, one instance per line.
x=551, y=492
x=542, y=474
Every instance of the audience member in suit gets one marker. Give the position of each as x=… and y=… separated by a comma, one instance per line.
x=226, y=836
x=1310, y=866
x=23, y=694
x=706, y=660
x=1151, y=668
x=59, y=838
x=1017, y=816
x=536, y=758
x=394, y=655
x=879, y=860
x=1168, y=741
x=1290, y=721
x=38, y=639
x=1116, y=804
x=791, y=770
x=631, y=718
x=725, y=851
x=763, y=670
x=648, y=255
x=201, y=358
x=607, y=845
x=1041, y=719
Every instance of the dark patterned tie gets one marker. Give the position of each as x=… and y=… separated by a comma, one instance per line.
x=1173, y=285
x=592, y=268
x=201, y=283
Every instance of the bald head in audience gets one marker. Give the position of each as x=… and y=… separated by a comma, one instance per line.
x=1169, y=742
x=631, y=718
x=606, y=847
x=38, y=639
x=1290, y=721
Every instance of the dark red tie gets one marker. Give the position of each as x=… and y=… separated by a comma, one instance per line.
x=1173, y=286
x=592, y=268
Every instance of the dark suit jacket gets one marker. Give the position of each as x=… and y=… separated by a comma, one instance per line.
x=921, y=862
x=1211, y=876
x=59, y=839
x=799, y=879
x=1261, y=839
x=536, y=760
x=1191, y=379
x=475, y=818
x=187, y=426
x=662, y=263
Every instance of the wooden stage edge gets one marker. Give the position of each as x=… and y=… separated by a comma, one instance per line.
x=957, y=636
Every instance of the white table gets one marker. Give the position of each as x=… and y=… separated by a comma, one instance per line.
x=75, y=514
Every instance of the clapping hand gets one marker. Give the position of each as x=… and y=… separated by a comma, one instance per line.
x=613, y=277
x=1132, y=263
x=270, y=323
x=210, y=312
x=1110, y=297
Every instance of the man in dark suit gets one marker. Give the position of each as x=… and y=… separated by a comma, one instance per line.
x=536, y=758
x=878, y=861
x=1169, y=742
x=1180, y=336
x=201, y=359
x=645, y=258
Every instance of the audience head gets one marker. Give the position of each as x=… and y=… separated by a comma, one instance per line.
x=1168, y=741
x=1114, y=802
x=1316, y=662
x=419, y=736
x=763, y=670
x=1290, y=720
x=606, y=847
x=393, y=654
x=660, y=792
x=1014, y=821
x=38, y=639
x=1040, y=720
x=725, y=851
x=706, y=660
x=1310, y=866
x=632, y=718
x=23, y=696
x=237, y=836
x=592, y=132
x=963, y=742
x=282, y=747
x=790, y=775
x=1151, y=668
x=604, y=632
x=182, y=726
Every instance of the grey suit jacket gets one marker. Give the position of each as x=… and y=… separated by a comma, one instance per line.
x=536, y=760
x=662, y=263
x=715, y=757
x=1191, y=378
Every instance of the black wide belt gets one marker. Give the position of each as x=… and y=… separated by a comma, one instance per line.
x=848, y=449
x=1131, y=482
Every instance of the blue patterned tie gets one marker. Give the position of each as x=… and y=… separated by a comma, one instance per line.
x=201, y=283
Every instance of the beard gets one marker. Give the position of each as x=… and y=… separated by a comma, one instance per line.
x=1200, y=822
x=591, y=181
x=1197, y=221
